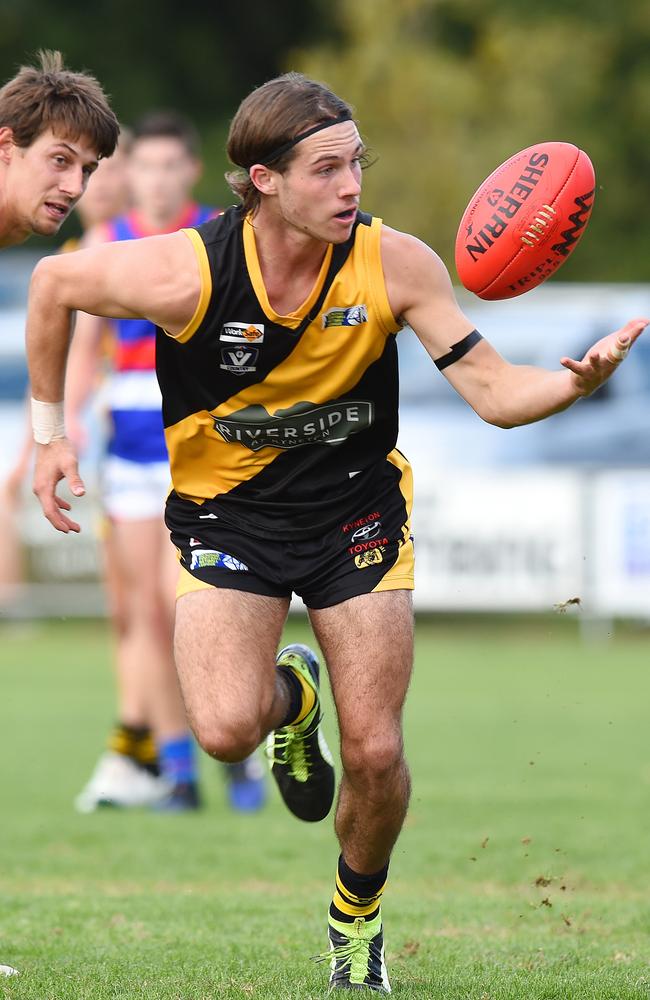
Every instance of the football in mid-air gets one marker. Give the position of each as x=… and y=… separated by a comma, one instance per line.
x=525, y=220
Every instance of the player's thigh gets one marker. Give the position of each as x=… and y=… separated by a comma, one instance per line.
x=113, y=582
x=367, y=642
x=136, y=553
x=133, y=496
x=168, y=570
x=225, y=646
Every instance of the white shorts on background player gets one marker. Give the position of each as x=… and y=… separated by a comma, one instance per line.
x=134, y=491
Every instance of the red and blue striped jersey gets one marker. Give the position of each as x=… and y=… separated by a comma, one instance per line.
x=134, y=400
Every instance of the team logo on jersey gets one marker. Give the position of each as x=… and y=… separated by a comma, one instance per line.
x=238, y=333
x=370, y=558
x=209, y=558
x=301, y=424
x=239, y=360
x=352, y=316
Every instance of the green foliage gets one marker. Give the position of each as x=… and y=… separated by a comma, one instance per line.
x=199, y=58
x=521, y=874
x=447, y=89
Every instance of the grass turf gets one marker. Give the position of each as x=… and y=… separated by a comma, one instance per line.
x=522, y=871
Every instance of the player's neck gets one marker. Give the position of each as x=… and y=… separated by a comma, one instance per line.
x=288, y=258
x=12, y=230
x=152, y=223
x=11, y=236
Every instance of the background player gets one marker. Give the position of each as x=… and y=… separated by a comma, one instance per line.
x=161, y=169
x=105, y=197
x=275, y=466
x=55, y=126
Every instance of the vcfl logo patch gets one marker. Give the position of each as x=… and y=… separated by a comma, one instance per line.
x=239, y=360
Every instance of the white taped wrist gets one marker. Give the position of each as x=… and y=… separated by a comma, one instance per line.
x=47, y=421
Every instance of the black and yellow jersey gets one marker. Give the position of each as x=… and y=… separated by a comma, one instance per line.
x=276, y=422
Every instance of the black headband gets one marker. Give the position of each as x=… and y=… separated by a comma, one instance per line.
x=346, y=116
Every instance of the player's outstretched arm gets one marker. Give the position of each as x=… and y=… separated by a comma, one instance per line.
x=156, y=278
x=421, y=294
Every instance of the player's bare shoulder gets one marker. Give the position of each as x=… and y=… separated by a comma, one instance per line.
x=413, y=271
x=181, y=284
x=156, y=277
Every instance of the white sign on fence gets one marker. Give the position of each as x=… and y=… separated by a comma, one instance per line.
x=621, y=543
x=498, y=541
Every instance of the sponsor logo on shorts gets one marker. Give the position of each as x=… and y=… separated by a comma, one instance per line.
x=193, y=542
x=238, y=333
x=360, y=522
x=239, y=360
x=210, y=558
x=300, y=425
x=352, y=316
x=370, y=558
x=367, y=531
x=359, y=547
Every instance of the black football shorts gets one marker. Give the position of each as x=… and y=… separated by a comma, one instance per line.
x=369, y=548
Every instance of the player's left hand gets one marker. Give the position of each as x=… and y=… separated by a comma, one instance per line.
x=604, y=357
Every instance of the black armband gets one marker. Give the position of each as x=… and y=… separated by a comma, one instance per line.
x=459, y=350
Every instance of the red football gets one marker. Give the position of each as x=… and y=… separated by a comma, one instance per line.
x=525, y=220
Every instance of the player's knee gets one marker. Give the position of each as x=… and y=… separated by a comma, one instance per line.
x=147, y=608
x=144, y=611
x=372, y=756
x=228, y=742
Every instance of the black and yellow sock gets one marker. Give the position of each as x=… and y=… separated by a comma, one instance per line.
x=136, y=742
x=357, y=895
x=301, y=695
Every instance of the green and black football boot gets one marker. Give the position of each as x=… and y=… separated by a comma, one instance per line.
x=299, y=757
x=356, y=955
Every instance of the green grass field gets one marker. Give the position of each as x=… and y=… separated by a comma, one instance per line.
x=523, y=870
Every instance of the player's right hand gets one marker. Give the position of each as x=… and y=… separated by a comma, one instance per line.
x=602, y=360
x=54, y=462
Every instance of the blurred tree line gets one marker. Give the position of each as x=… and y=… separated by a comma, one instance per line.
x=444, y=90
x=196, y=57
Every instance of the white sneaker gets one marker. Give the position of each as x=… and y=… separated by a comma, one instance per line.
x=8, y=970
x=119, y=781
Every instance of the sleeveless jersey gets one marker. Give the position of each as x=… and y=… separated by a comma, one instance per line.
x=133, y=394
x=273, y=422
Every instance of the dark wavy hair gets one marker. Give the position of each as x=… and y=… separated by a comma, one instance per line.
x=270, y=116
x=51, y=96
